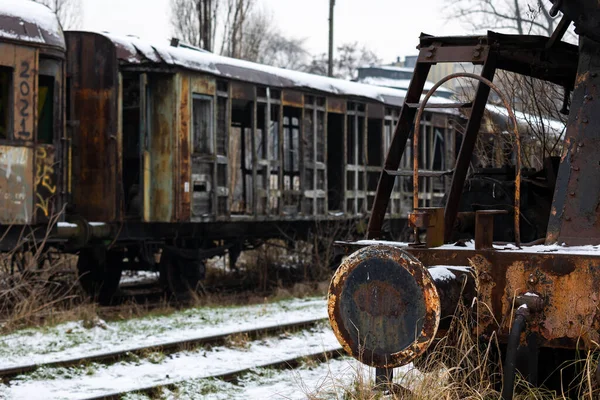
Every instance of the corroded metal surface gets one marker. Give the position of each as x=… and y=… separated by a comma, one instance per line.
x=383, y=306
x=94, y=94
x=575, y=215
x=566, y=282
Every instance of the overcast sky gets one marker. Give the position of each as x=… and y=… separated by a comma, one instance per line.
x=389, y=27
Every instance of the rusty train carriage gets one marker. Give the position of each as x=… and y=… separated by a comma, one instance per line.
x=550, y=289
x=33, y=143
x=216, y=149
x=216, y=152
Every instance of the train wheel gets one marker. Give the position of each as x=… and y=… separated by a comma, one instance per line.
x=181, y=277
x=100, y=272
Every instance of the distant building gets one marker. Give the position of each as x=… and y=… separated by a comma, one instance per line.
x=395, y=77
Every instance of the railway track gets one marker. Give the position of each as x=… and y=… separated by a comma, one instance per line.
x=7, y=374
x=232, y=357
x=230, y=376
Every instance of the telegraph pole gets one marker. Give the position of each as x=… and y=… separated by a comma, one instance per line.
x=330, y=64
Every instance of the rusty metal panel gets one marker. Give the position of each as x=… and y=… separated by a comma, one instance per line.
x=383, y=306
x=161, y=149
x=336, y=105
x=204, y=85
x=94, y=112
x=25, y=90
x=7, y=54
x=292, y=98
x=184, y=147
x=16, y=185
x=375, y=110
x=45, y=182
x=242, y=91
x=575, y=215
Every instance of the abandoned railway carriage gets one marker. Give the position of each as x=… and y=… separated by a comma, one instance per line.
x=33, y=145
x=167, y=152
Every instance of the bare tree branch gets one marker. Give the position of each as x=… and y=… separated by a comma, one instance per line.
x=69, y=12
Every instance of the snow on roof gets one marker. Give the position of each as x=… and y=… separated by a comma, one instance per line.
x=27, y=21
x=526, y=121
x=133, y=50
x=391, y=68
x=398, y=83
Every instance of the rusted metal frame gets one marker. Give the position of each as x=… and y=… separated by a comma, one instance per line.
x=281, y=150
x=215, y=163
x=488, y=83
x=326, y=153
x=438, y=53
x=394, y=194
x=226, y=157
x=467, y=147
x=254, y=153
x=356, y=160
x=397, y=146
x=321, y=165
x=120, y=193
x=314, y=146
x=449, y=150
x=144, y=145
x=363, y=162
x=267, y=153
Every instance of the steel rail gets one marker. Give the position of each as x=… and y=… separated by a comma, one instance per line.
x=229, y=376
x=167, y=347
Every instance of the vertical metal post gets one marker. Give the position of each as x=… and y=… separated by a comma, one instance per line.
x=468, y=145
x=330, y=64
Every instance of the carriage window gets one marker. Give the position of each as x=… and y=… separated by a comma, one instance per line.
x=5, y=85
x=203, y=131
x=45, y=109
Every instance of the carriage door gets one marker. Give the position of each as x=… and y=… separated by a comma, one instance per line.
x=203, y=156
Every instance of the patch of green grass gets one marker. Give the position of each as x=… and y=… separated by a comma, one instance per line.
x=45, y=373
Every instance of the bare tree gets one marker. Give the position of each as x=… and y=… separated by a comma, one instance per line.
x=69, y=12
x=241, y=29
x=285, y=52
x=264, y=43
x=513, y=16
x=350, y=57
x=195, y=21
x=234, y=26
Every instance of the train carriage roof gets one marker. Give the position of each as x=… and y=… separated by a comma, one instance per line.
x=30, y=22
x=134, y=51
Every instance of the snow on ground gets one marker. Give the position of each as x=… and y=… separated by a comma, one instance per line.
x=72, y=340
x=329, y=380
x=138, y=277
x=95, y=380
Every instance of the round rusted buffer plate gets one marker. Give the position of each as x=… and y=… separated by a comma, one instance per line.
x=383, y=306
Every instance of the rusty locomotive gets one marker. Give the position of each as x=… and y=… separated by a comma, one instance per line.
x=143, y=156
x=388, y=300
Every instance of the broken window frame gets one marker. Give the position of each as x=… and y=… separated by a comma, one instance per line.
x=209, y=142
x=355, y=144
x=6, y=103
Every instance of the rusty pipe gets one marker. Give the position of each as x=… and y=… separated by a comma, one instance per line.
x=515, y=131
